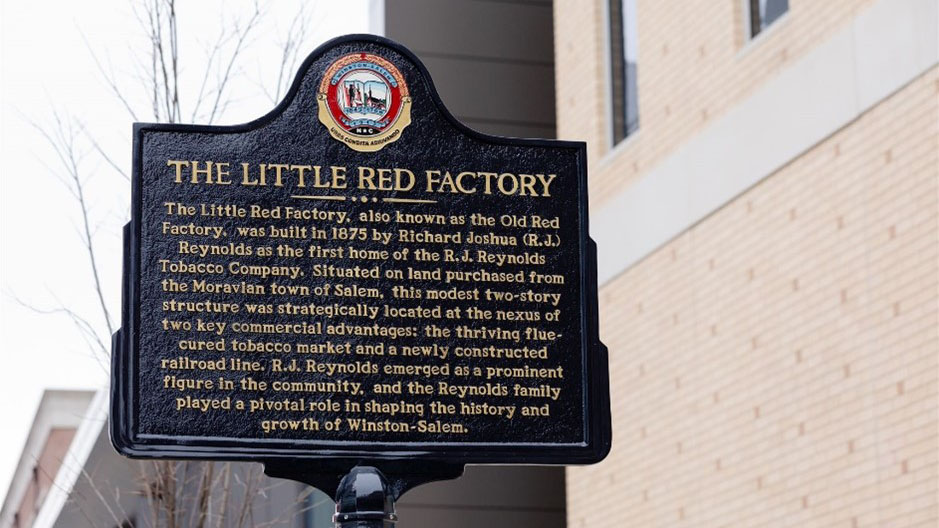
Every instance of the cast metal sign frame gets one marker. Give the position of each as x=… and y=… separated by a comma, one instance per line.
x=126, y=342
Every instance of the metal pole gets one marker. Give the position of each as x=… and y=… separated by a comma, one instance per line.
x=364, y=500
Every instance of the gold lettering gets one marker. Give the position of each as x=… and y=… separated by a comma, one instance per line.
x=459, y=183
x=179, y=168
x=196, y=171
x=278, y=174
x=301, y=173
x=221, y=172
x=546, y=182
x=246, y=175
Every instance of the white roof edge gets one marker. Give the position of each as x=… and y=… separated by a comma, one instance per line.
x=376, y=17
x=58, y=408
x=93, y=425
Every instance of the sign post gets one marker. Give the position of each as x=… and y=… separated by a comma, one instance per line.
x=359, y=291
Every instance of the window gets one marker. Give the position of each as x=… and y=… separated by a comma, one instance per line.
x=762, y=13
x=624, y=50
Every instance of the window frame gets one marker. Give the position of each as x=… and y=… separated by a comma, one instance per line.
x=612, y=144
x=747, y=26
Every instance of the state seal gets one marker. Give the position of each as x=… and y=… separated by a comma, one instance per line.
x=364, y=102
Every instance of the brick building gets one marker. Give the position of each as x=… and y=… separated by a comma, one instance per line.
x=764, y=197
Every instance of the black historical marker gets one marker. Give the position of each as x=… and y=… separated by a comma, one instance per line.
x=358, y=277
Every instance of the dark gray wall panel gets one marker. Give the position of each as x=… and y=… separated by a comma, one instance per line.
x=492, y=60
x=474, y=518
x=502, y=30
x=534, y=487
x=497, y=91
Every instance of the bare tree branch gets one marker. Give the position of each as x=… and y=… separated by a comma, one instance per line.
x=174, y=59
x=85, y=328
x=226, y=493
x=192, y=494
x=290, y=48
x=108, y=77
x=242, y=35
x=209, y=61
x=94, y=488
x=64, y=144
x=107, y=158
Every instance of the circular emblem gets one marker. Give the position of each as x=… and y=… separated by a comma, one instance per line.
x=364, y=102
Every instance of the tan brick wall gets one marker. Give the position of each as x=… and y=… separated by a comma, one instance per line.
x=694, y=64
x=776, y=364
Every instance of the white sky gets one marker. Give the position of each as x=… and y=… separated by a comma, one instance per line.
x=45, y=64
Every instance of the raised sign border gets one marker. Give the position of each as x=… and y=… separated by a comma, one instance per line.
x=126, y=340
